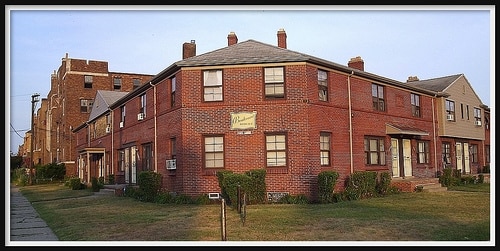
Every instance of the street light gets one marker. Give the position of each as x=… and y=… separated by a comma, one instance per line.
x=34, y=99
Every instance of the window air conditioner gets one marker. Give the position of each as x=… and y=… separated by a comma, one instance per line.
x=478, y=122
x=121, y=124
x=170, y=164
x=449, y=117
x=108, y=129
x=140, y=116
x=213, y=196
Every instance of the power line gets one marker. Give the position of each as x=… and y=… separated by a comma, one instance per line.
x=17, y=131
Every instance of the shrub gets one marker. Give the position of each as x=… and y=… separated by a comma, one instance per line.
x=51, y=171
x=149, y=185
x=469, y=179
x=231, y=183
x=383, y=185
x=76, y=184
x=220, y=177
x=256, y=189
x=326, y=185
x=133, y=192
x=361, y=185
x=252, y=183
x=20, y=177
x=293, y=199
x=95, y=184
x=111, y=179
x=445, y=178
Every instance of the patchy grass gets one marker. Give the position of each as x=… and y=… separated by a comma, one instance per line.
x=74, y=215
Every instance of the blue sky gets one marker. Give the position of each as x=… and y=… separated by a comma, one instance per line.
x=394, y=41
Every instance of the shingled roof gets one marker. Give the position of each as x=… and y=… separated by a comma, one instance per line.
x=436, y=84
x=255, y=52
x=102, y=102
x=247, y=52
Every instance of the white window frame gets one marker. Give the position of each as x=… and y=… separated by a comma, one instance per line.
x=212, y=85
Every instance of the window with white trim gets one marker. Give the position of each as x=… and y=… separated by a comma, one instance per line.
x=214, y=151
x=212, y=85
x=274, y=81
x=324, y=146
x=276, y=150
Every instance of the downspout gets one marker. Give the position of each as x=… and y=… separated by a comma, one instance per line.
x=155, y=128
x=350, y=120
x=112, y=143
x=435, y=137
x=87, y=160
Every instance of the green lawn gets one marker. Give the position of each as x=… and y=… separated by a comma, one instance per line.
x=462, y=216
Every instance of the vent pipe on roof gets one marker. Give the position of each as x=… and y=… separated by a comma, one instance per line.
x=232, y=38
x=281, y=38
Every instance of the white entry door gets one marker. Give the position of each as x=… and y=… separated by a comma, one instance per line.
x=459, y=154
x=395, y=157
x=466, y=158
x=407, y=157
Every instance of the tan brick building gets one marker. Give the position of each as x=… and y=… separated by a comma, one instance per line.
x=68, y=104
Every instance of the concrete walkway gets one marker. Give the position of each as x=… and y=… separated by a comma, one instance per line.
x=25, y=222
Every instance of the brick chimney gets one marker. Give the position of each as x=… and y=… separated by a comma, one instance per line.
x=232, y=38
x=189, y=49
x=282, y=38
x=357, y=63
x=412, y=78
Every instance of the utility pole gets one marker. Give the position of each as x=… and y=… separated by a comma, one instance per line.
x=34, y=99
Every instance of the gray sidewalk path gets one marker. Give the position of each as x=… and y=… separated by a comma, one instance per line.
x=25, y=222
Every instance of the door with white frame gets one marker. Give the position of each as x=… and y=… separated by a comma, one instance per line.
x=401, y=157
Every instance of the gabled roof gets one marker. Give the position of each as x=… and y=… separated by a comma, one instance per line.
x=102, y=102
x=436, y=84
x=441, y=85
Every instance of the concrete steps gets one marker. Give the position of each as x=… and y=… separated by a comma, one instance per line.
x=433, y=187
x=105, y=191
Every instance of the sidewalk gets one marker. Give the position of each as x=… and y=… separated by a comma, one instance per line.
x=25, y=222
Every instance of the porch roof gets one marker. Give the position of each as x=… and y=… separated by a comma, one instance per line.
x=401, y=129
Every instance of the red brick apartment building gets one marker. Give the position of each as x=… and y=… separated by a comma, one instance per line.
x=252, y=105
x=68, y=105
